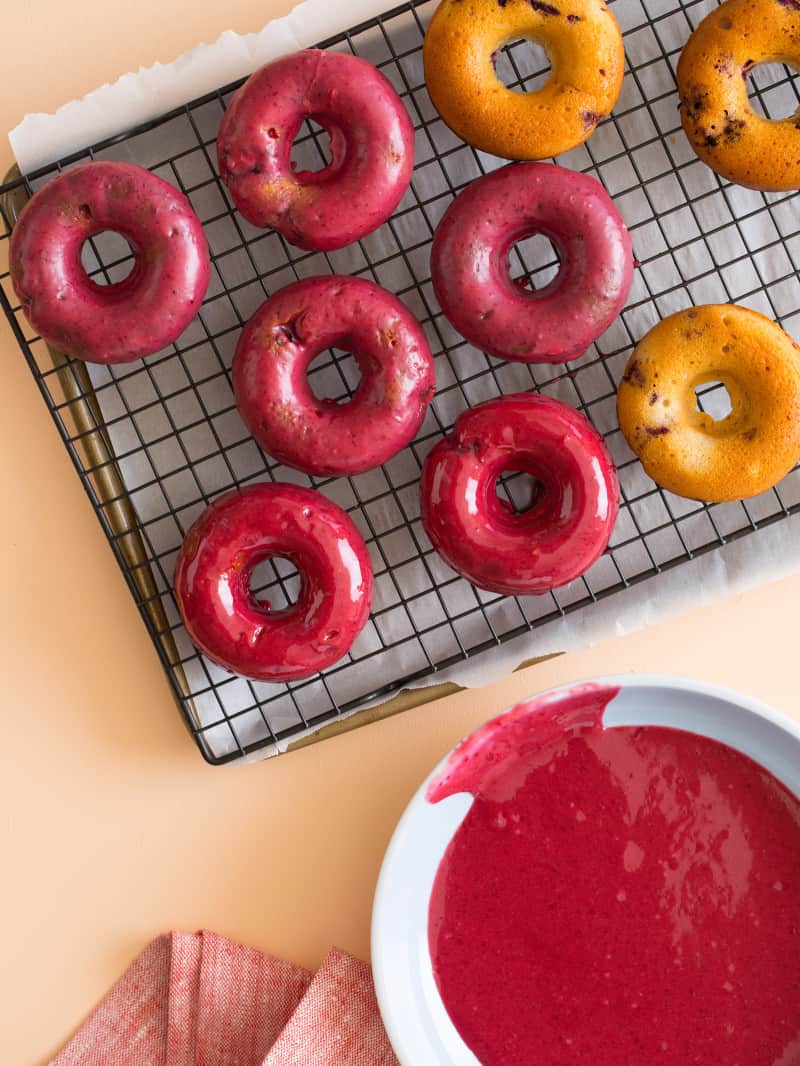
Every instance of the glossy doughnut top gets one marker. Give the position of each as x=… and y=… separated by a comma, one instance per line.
x=234, y=534
x=583, y=43
x=470, y=262
x=713, y=70
x=134, y=317
x=685, y=450
x=274, y=395
x=480, y=535
x=371, y=148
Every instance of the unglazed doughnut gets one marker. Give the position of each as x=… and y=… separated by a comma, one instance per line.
x=470, y=272
x=684, y=449
x=321, y=436
x=134, y=317
x=713, y=69
x=371, y=148
x=231, y=537
x=480, y=536
x=583, y=43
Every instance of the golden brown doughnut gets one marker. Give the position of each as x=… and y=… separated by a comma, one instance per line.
x=685, y=450
x=583, y=43
x=713, y=69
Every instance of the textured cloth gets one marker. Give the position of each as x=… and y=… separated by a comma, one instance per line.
x=184, y=984
x=202, y=1000
x=337, y=1022
x=245, y=1000
x=130, y=1025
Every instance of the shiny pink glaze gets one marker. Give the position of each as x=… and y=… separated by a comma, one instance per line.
x=479, y=535
x=145, y=311
x=371, y=148
x=242, y=528
x=321, y=436
x=470, y=263
x=617, y=897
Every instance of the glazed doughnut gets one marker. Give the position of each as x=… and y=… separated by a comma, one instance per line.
x=479, y=535
x=713, y=70
x=371, y=148
x=685, y=450
x=321, y=436
x=241, y=529
x=470, y=272
x=134, y=317
x=583, y=43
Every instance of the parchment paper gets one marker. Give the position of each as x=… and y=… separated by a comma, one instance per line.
x=156, y=90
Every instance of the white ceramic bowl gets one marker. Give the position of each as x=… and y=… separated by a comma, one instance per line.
x=417, y=1023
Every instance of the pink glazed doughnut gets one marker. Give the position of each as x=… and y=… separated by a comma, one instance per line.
x=371, y=148
x=231, y=537
x=479, y=535
x=469, y=263
x=321, y=436
x=137, y=316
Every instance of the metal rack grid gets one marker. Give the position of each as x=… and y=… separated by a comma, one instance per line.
x=154, y=442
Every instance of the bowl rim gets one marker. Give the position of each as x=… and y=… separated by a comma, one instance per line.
x=397, y=1033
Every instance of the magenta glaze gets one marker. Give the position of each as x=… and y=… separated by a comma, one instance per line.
x=320, y=436
x=371, y=147
x=616, y=897
x=137, y=316
x=493, y=761
x=470, y=263
x=479, y=535
x=240, y=529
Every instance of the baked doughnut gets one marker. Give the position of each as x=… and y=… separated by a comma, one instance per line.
x=685, y=450
x=479, y=535
x=321, y=436
x=371, y=148
x=241, y=529
x=713, y=69
x=583, y=43
x=470, y=273
x=134, y=317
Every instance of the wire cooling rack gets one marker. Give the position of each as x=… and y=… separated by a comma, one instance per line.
x=155, y=441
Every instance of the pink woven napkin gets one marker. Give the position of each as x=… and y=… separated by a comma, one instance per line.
x=130, y=1025
x=337, y=1022
x=202, y=1000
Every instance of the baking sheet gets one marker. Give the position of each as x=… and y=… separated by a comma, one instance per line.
x=180, y=441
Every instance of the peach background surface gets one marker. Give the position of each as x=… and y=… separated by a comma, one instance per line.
x=113, y=828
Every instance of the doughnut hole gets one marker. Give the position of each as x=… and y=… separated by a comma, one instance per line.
x=334, y=376
x=522, y=65
x=533, y=262
x=773, y=90
x=715, y=404
x=107, y=257
x=519, y=490
x=312, y=154
x=275, y=584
